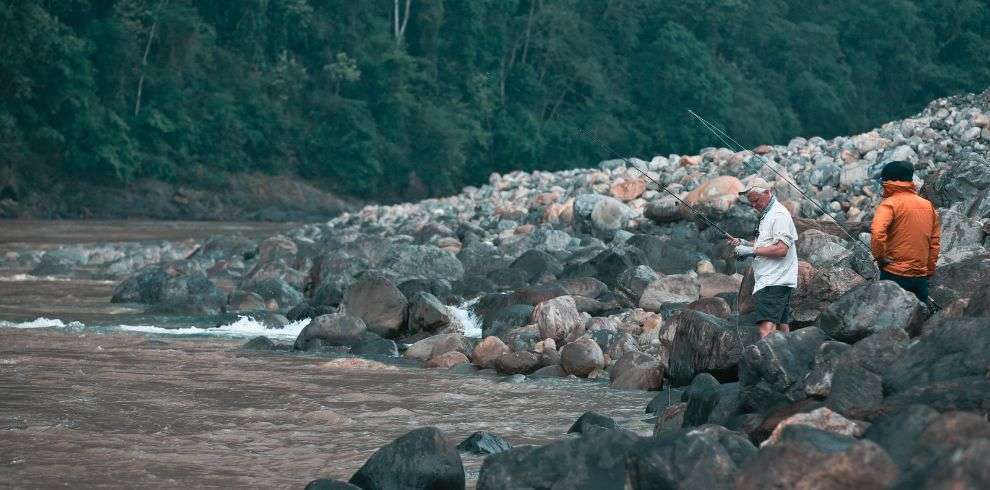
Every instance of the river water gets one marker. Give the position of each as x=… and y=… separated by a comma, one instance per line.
x=94, y=394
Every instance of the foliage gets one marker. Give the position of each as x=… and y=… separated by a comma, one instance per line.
x=340, y=93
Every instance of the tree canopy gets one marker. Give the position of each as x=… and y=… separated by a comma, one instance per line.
x=389, y=99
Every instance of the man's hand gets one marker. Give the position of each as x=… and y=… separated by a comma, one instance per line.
x=734, y=241
x=745, y=251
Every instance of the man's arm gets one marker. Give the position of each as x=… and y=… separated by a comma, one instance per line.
x=775, y=250
x=935, y=244
x=881, y=221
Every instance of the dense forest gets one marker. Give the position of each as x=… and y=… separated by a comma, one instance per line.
x=389, y=99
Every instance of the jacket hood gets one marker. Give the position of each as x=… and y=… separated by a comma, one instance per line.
x=893, y=186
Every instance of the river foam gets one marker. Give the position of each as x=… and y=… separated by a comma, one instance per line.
x=243, y=327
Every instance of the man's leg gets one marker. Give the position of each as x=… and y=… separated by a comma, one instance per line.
x=784, y=328
x=766, y=328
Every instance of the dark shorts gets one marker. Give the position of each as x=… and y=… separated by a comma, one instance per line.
x=916, y=285
x=773, y=304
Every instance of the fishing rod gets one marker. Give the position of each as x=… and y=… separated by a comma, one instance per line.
x=660, y=186
x=723, y=136
x=735, y=146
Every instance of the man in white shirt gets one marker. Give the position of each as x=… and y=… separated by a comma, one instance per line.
x=775, y=266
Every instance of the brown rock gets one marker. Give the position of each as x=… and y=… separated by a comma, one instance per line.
x=714, y=284
x=637, y=371
x=488, y=351
x=447, y=359
x=689, y=160
x=627, y=190
x=762, y=149
x=713, y=306
x=557, y=317
x=823, y=419
x=717, y=194
x=436, y=345
x=581, y=357
x=523, y=362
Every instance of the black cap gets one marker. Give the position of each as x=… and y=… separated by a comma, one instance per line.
x=899, y=170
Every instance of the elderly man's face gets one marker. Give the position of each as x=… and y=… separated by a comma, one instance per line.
x=758, y=199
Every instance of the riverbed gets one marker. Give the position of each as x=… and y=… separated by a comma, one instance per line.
x=96, y=394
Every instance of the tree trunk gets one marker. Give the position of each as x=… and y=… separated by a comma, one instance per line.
x=144, y=62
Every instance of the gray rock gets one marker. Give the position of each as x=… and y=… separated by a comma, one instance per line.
x=773, y=370
x=859, y=313
x=375, y=299
x=419, y=459
x=581, y=357
x=335, y=329
x=427, y=314
x=702, y=344
x=636, y=371
x=635, y=280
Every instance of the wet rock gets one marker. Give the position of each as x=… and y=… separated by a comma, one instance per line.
x=773, y=370
x=856, y=315
x=436, y=345
x=373, y=345
x=840, y=462
x=427, y=314
x=595, y=460
x=701, y=397
x=522, y=362
x=260, y=343
x=484, y=443
x=557, y=317
x=554, y=371
x=419, y=459
x=702, y=344
x=636, y=371
x=523, y=338
x=664, y=398
x=447, y=360
x=581, y=357
x=376, y=300
x=488, y=351
x=190, y=294
x=335, y=329
x=589, y=422
x=707, y=457
x=669, y=289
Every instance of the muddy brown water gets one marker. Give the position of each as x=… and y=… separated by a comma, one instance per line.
x=95, y=406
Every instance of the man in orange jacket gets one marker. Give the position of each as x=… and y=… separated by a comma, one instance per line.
x=906, y=232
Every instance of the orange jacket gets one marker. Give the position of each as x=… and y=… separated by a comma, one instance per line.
x=906, y=231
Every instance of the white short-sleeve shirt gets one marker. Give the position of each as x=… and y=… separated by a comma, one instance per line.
x=776, y=224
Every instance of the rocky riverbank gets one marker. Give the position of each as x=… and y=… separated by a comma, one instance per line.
x=592, y=274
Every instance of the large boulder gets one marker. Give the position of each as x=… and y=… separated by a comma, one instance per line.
x=821, y=419
x=946, y=369
x=536, y=263
x=501, y=321
x=447, y=360
x=581, y=357
x=608, y=265
x=436, y=345
x=334, y=329
x=961, y=182
x=488, y=351
x=773, y=370
x=478, y=257
x=375, y=299
x=869, y=309
x=681, y=288
x=520, y=362
x=635, y=280
x=420, y=459
x=637, y=371
x=707, y=457
x=594, y=460
x=960, y=280
x=610, y=214
x=427, y=314
x=404, y=261
x=899, y=431
x=702, y=343
x=556, y=318
x=834, y=461
x=856, y=389
x=701, y=397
